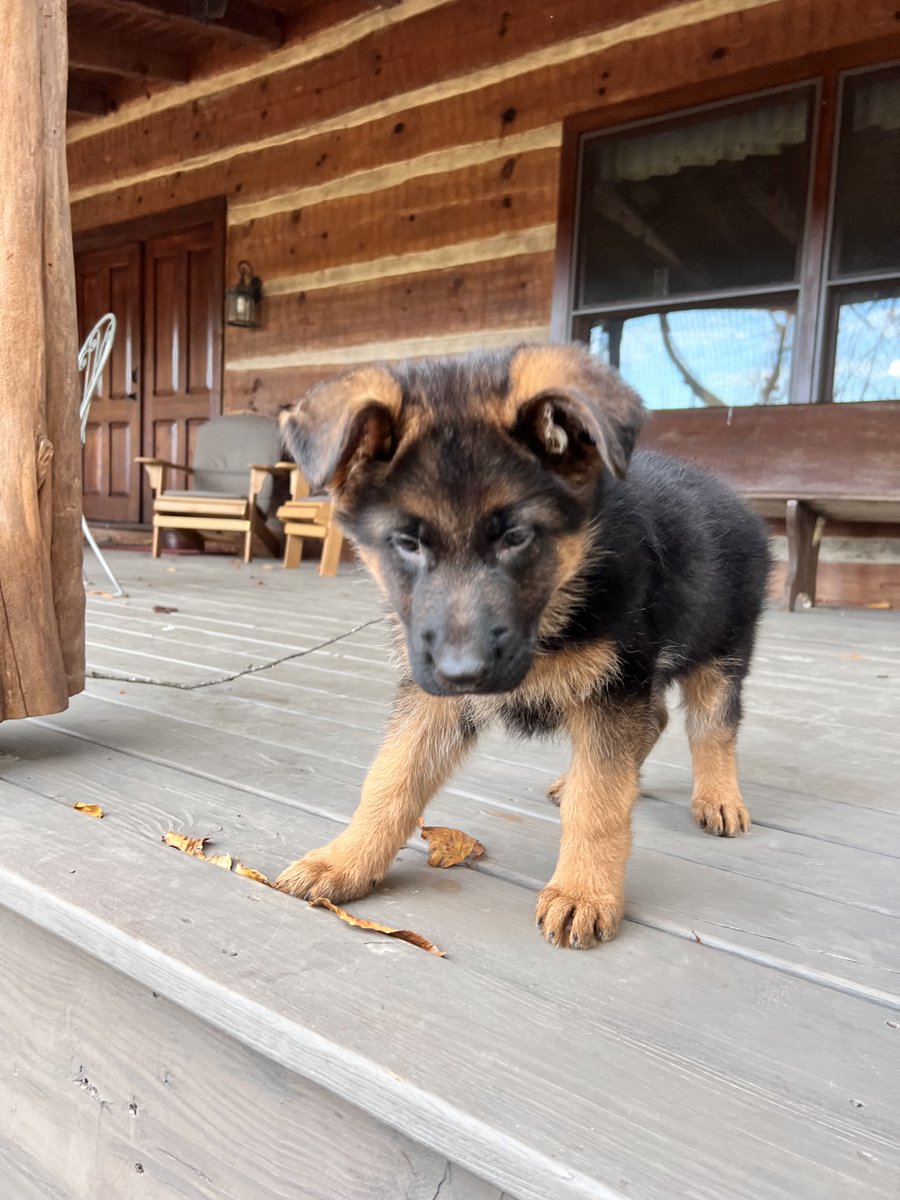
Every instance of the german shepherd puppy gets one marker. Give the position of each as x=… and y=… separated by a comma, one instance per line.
x=538, y=581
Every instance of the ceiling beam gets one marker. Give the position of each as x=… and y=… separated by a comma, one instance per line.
x=244, y=24
x=86, y=100
x=108, y=54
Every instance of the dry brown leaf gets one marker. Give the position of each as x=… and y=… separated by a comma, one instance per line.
x=404, y=935
x=163, y=608
x=447, y=847
x=188, y=845
x=250, y=873
x=225, y=861
x=102, y=595
x=92, y=810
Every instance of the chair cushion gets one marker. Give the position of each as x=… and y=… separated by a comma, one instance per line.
x=226, y=446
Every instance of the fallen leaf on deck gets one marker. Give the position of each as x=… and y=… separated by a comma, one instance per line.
x=240, y=869
x=404, y=935
x=447, y=847
x=225, y=861
x=879, y=604
x=92, y=810
x=161, y=608
x=193, y=846
x=102, y=595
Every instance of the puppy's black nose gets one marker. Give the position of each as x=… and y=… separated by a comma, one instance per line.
x=460, y=667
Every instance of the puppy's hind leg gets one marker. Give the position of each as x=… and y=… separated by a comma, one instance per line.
x=712, y=699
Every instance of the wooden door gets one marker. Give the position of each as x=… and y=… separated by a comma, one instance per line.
x=182, y=339
x=109, y=280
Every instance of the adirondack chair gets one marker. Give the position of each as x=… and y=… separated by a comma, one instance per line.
x=92, y=359
x=230, y=492
x=306, y=516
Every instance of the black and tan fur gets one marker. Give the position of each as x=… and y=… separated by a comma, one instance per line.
x=542, y=577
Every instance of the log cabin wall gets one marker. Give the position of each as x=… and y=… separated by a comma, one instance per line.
x=393, y=172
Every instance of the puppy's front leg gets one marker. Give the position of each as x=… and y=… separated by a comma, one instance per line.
x=583, y=902
x=426, y=739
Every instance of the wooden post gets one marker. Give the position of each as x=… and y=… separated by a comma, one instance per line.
x=41, y=589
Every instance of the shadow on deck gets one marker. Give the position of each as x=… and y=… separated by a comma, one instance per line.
x=169, y=1022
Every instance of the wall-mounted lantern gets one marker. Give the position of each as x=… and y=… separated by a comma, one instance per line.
x=242, y=300
x=208, y=10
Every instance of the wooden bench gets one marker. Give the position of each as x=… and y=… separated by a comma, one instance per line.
x=805, y=464
x=805, y=518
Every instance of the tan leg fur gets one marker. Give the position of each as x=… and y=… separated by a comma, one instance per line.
x=424, y=742
x=583, y=902
x=716, y=804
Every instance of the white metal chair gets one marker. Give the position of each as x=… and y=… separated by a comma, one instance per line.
x=92, y=359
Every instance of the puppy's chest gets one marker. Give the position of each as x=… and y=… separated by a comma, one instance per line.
x=556, y=684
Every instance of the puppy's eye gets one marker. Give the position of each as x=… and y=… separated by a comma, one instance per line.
x=409, y=546
x=515, y=538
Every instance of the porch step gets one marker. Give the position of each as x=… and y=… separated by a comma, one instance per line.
x=177, y=1024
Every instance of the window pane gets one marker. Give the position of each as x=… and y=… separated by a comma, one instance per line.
x=699, y=358
x=867, y=193
x=867, y=350
x=705, y=202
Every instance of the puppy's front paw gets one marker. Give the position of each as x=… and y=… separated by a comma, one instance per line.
x=577, y=918
x=722, y=818
x=328, y=872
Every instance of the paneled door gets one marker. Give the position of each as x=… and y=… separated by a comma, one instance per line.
x=110, y=281
x=183, y=340
x=163, y=280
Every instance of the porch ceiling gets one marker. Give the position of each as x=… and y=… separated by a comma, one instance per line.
x=120, y=49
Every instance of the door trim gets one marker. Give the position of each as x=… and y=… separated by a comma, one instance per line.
x=141, y=228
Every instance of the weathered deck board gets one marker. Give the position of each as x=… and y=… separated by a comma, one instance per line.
x=642, y=1076
x=763, y=919
x=733, y=1030
x=208, y=731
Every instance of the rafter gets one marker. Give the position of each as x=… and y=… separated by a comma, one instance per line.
x=244, y=24
x=92, y=50
x=86, y=100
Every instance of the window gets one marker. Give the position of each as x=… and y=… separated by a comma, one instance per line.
x=695, y=269
x=863, y=301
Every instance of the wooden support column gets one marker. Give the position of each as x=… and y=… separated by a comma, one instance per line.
x=41, y=590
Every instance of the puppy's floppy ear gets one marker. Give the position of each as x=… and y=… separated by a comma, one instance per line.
x=341, y=422
x=572, y=410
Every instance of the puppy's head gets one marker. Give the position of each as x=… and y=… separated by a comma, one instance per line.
x=470, y=488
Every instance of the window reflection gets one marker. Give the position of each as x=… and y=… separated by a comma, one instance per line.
x=867, y=345
x=867, y=191
x=713, y=201
x=700, y=358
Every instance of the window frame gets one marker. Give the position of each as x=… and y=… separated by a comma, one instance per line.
x=814, y=337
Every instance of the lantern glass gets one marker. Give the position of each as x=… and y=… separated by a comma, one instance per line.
x=242, y=300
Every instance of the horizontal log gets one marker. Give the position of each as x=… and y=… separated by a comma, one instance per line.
x=853, y=585
x=488, y=200
x=740, y=42
x=268, y=387
x=513, y=293
x=392, y=349
x=452, y=42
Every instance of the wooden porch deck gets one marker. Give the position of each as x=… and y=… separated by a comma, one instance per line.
x=176, y=1031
